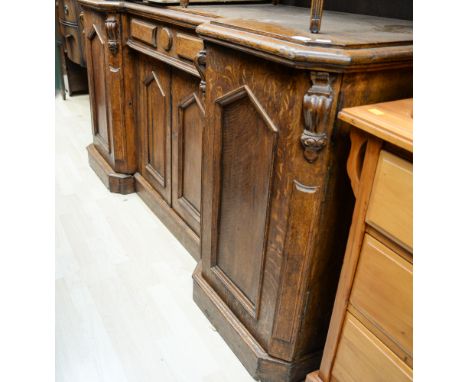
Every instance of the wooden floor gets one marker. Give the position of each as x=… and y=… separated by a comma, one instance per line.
x=124, y=309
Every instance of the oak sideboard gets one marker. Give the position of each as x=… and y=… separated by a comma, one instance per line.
x=226, y=127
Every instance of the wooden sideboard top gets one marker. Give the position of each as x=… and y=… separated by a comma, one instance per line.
x=280, y=33
x=292, y=24
x=390, y=121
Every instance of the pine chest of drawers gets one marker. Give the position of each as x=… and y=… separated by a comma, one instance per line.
x=371, y=332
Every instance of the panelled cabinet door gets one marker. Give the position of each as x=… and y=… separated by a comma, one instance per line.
x=96, y=51
x=245, y=173
x=188, y=116
x=154, y=125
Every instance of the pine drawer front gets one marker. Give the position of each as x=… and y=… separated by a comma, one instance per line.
x=391, y=204
x=362, y=357
x=383, y=292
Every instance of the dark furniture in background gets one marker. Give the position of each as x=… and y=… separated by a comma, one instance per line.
x=227, y=129
x=69, y=40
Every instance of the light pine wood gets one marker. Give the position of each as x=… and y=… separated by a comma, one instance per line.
x=362, y=357
x=390, y=121
x=370, y=333
x=383, y=292
x=391, y=203
x=356, y=234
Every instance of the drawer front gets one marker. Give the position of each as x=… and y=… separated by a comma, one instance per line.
x=67, y=10
x=383, y=292
x=187, y=47
x=361, y=357
x=391, y=204
x=143, y=31
x=72, y=43
x=168, y=43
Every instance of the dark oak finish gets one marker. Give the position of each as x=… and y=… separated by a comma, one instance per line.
x=118, y=183
x=228, y=127
x=73, y=61
x=188, y=118
x=154, y=123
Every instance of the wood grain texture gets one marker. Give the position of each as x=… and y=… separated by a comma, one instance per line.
x=356, y=234
x=383, y=292
x=281, y=33
x=290, y=264
x=391, y=202
x=188, y=46
x=112, y=107
x=188, y=118
x=118, y=183
x=154, y=121
x=143, y=31
x=70, y=26
x=257, y=362
x=272, y=220
x=97, y=83
x=248, y=141
x=362, y=357
x=390, y=121
x=372, y=315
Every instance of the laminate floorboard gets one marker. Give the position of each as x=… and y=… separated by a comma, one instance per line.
x=124, y=309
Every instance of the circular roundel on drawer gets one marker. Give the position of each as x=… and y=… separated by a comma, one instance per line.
x=165, y=39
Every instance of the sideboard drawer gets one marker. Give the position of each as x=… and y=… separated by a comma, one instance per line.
x=391, y=204
x=383, y=292
x=143, y=31
x=171, y=44
x=187, y=47
x=362, y=357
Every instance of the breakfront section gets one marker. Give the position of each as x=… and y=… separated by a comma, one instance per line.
x=276, y=200
x=112, y=154
x=270, y=212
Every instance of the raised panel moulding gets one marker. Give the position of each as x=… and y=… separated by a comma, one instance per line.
x=246, y=178
x=156, y=165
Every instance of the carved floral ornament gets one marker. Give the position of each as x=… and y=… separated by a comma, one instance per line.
x=112, y=30
x=316, y=106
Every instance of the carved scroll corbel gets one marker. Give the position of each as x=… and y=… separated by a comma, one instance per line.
x=112, y=30
x=200, y=65
x=316, y=105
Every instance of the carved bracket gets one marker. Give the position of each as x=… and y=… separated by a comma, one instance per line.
x=112, y=30
x=317, y=104
x=200, y=64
